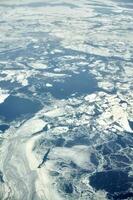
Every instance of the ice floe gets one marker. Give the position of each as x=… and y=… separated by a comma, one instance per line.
x=3, y=95
x=38, y=65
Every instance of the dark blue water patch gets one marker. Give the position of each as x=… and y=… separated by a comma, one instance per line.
x=108, y=147
x=25, y=90
x=120, y=140
x=79, y=140
x=4, y=127
x=66, y=186
x=120, y=158
x=10, y=54
x=111, y=181
x=48, y=46
x=130, y=124
x=78, y=84
x=1, y=177
x=57, y=142
x=127, y=195
x=8, y=85
x=28, y=51
x=125, y=141
x=14, y=107
x=94, y=159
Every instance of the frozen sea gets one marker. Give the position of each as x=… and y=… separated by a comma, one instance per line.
x=66, y=99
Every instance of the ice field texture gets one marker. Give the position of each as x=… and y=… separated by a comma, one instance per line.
x=66, y=99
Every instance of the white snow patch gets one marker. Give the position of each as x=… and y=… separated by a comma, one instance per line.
x=55, y=113
x=91, y=97
x=49, y=85
x=16, y=75
x=120, y=116
x=80, y=155
x=44, y=182
x=59, y=130
x=32, y=126
x=38, y=65
x=115, y=113
x=3, y=95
